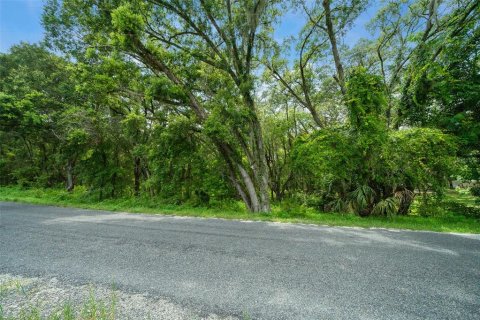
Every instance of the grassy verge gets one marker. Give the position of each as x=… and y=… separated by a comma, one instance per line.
x=451, y=218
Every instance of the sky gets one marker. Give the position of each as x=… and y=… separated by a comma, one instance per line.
x=20, y=20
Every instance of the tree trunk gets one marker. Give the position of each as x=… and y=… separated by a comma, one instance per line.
x=251, y=191
x=259, y=167
x=137, y=172
x=245, y=182
x=340, y=78
x=114, y=183
x=70, y=182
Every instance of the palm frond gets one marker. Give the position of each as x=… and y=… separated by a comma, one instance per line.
x=361, y=197
x=386, y=207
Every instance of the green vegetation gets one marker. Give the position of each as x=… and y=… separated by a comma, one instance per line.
x=90, y=309
x=457, y=212
x=173, y=106
x=43, y=299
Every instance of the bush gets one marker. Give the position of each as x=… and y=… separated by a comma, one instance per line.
x=475, y=191
x=462, y=209
x=291, y=207
x=430, y=208
x=335, y=165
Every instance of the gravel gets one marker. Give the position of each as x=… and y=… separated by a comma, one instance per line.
x=48, y=295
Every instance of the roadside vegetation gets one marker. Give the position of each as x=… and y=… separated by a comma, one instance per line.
x=200, y=108
x=457, y=211
x=92, y=308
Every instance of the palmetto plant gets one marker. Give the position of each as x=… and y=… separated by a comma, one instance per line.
x=386, y=207
x=365, y=201
x=405, y=198
x=339, y=205
x=361, y=200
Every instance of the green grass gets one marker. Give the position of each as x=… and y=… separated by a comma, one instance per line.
x=464, y=197
x=90, y=309
x=455, y=217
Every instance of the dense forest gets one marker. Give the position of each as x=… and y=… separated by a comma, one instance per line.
x=201, y=102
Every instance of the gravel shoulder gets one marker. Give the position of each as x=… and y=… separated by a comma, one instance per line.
x=20, y=294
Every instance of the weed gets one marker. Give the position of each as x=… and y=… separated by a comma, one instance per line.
x=91, y=309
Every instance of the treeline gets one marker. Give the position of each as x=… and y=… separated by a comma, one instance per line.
x=200, y=101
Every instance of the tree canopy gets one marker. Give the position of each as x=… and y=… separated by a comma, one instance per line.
x=201, y=101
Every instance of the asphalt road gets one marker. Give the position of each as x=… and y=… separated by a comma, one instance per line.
x=266, y=270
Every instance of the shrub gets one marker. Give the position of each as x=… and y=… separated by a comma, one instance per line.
x=335, y=165
x=430, y=207
x=291, y=207
x=462, y=209
x=475, y=191
x=367, y=168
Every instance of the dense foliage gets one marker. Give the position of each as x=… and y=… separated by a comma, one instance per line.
x=200, y=102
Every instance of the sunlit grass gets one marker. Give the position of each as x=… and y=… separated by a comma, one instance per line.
x=444, y=221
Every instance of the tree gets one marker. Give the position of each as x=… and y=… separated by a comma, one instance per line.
x=197, y=39
x=311, y=81
x=366, y=168
x=198, y=101
x=37, y=89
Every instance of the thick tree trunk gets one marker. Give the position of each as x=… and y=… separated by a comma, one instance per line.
x=259, y=166
x=251, y=191
x=244, y=181
x=240, y=191
x=70, y=180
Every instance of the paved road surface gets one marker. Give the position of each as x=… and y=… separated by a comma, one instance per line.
x=267, y=270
